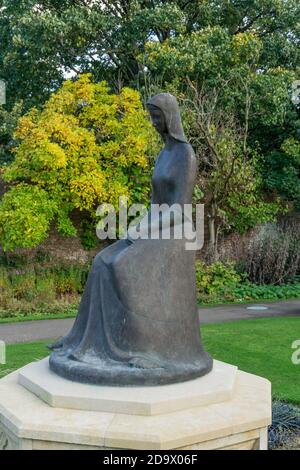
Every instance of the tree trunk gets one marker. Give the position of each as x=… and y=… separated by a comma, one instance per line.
x=212, y=232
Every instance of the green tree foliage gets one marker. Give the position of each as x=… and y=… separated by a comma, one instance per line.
x=233, y=98
x=228, y=170
x=85, y=147
x=40, y=40
x=242, y=53
x=8, y=124
x=282, y=169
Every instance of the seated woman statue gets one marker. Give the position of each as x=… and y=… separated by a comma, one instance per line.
x=138, y=321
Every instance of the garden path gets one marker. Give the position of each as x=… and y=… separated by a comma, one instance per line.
x=43, y=329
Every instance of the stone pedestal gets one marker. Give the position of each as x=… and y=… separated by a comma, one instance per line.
x=226, y=409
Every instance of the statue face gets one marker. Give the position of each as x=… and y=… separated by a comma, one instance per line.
x=158, y=119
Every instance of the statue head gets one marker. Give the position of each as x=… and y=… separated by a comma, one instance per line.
x=165, y=116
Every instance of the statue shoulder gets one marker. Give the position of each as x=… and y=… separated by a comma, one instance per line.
x=187, y=152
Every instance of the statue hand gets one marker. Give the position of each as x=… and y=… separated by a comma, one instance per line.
x=133, y=234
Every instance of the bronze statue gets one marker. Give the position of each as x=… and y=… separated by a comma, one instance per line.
x=138, y=321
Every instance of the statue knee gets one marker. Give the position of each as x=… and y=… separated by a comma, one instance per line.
x=98, y=260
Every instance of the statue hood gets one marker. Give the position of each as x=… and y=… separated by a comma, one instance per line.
x=168, y=104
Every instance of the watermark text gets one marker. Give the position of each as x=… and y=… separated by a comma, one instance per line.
x=296, y=353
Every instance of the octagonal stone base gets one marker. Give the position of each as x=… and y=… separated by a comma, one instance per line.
x=215, y=387
x=147, y=420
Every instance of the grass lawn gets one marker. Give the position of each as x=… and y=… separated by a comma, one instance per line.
x=37, y=316
x=18, y=355
x=260, y=346
x=72, y=312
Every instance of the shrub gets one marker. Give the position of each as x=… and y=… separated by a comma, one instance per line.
x=274, y=254
x=23, y=284
x=41, y=289
x=216, y=281
x=285, y=428
x=25, y=215
x=70, y=280
x=221, y=283
x=246, y=291
x=45, y=292
x=86, y=146
x=88, y=235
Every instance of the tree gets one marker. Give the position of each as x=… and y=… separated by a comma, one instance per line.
x=8, y=124
x=85, y=147
x=228, y=173
x=247, y=50
x=42, y=40
x=282, y=171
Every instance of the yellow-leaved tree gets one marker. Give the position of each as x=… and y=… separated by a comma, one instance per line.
x=86, y=146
